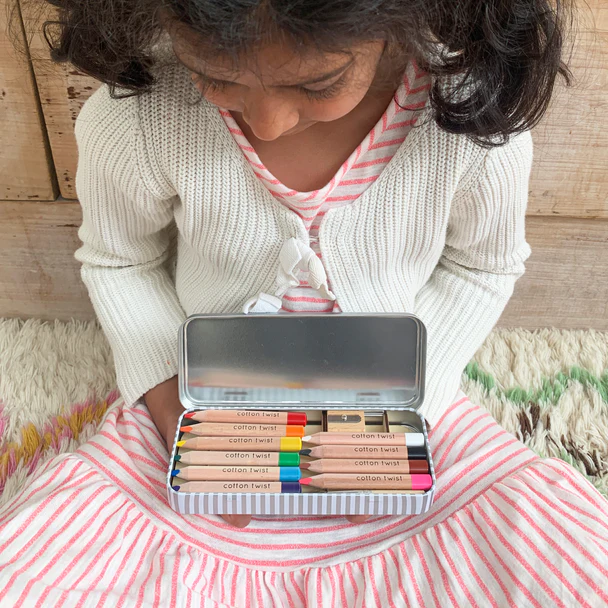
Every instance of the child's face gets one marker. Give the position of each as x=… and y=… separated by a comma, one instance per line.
x=280, y=92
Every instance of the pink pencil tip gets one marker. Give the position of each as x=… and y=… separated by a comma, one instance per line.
x=189, y=415
x=422, y=482
x=305, y=481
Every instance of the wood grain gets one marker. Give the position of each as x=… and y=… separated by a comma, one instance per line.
x=39, y=276
x=63, y=91
x=566, y=283
x=570, y=173
x=25, y=172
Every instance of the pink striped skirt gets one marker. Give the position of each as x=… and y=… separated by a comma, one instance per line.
x=507, y=528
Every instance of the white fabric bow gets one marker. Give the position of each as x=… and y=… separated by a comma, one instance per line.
x=294, y=256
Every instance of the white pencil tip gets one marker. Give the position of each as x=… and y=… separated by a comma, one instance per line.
x=414, y=440
x=307, y=438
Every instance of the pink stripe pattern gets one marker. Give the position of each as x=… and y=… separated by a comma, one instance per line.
x=506, y=528
x=353, y=178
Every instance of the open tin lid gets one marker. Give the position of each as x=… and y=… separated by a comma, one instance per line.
x=308, y=360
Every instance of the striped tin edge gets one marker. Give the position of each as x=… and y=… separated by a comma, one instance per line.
x=301, y=504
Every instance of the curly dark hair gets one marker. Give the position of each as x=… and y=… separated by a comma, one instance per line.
x=495, y=62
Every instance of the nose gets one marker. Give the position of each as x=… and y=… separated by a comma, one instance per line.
x=269, y=118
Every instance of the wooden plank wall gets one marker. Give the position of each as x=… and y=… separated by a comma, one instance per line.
x=63, y=91
x=25, y=169
x=570, y=175
x=39, y=276
x=566, y=283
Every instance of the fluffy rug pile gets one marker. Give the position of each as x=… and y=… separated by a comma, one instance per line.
x=549, y=388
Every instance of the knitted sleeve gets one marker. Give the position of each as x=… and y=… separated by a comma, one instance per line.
x=484, y=255
x=126, y=235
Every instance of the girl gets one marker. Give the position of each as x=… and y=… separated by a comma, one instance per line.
x=318, y=155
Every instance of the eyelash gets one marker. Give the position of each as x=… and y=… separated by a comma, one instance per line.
x=327, y=93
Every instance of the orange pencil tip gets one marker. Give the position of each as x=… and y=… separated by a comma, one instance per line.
x=186, y=429
x=305, y=481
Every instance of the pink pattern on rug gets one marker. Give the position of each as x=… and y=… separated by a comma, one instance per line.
x=35, y=445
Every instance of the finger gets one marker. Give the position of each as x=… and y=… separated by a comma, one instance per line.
x=238, y=521
x=357, y=519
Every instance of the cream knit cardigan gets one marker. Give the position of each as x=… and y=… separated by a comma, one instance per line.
x=439, y=234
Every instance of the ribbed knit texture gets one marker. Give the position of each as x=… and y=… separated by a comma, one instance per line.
x=440, y=233
x=360, y=170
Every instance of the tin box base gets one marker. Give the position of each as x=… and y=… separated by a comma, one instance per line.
x=308, y=502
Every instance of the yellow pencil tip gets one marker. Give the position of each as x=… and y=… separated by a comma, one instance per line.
x=180, y=443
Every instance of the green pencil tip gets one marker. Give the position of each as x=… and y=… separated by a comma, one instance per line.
x=178, y=457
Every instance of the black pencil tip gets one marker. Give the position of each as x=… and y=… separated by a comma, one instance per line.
x=305, y=452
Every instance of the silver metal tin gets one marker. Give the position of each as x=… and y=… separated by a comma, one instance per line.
x=303, y=361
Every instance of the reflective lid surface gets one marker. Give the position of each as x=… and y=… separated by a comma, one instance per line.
x=313, y=360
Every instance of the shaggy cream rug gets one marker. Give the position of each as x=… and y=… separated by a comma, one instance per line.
x=549, y=388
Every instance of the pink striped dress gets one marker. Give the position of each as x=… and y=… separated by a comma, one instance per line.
x=507, y=528
x=94, y=529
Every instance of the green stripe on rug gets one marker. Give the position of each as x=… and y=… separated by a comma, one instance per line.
x=551, y=389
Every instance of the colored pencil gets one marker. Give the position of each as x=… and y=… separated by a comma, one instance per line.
x=368, y=452
x=262, y=444
x=241, y=487
x=407, y=439
x=271, y=459
x=342, y=465
x=195, y=473
x=368, y=481
x=257, y=416
x=243, y=429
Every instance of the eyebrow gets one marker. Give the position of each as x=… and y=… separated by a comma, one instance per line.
x=315, y=80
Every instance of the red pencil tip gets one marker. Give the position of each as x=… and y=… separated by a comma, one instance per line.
x=296, y=418
x=186, y=429
x=305, y=465
x=305, y=481
x=189, y=415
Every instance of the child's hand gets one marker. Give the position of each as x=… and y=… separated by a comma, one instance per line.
x=242, y=521
x=165, y=408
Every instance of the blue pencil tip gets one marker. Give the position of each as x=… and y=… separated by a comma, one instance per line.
x=175, y=473
x=176, y=488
